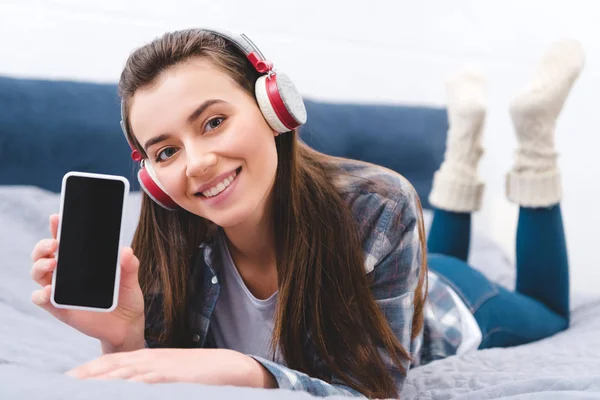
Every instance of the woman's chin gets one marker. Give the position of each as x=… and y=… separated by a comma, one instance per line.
x=227, y=219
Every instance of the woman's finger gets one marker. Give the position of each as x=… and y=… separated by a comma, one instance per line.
x=42, y=269
x=101, y=366
x=122, y=373
x=54, y=225
x=129, y=268
x=41, y=298
x=45, y=248
x=150, y=377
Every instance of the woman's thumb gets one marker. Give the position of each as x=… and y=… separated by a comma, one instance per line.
x=129, y=268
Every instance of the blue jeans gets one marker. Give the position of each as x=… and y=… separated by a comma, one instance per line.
x=539, y=307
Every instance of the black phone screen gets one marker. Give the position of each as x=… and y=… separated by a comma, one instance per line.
x=89, y=242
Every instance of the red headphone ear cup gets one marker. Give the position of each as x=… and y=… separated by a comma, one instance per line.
x=154, y=191
x=281, y=104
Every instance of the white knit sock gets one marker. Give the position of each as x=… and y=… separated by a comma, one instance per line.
x=456, y=185
x=534, y=180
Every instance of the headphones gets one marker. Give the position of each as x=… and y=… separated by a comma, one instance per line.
x=279, y=101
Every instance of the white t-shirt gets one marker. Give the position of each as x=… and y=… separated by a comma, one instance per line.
x=240, y=321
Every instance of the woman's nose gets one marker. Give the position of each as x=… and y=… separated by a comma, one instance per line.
x=198, y=163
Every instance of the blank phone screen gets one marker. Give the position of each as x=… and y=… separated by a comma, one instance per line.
x=89, y=242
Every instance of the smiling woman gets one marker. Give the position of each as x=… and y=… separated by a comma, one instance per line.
x=198, y=127
x=262, y=206
x=262, y=262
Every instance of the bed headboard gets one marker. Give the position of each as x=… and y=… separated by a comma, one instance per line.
x=48, y=128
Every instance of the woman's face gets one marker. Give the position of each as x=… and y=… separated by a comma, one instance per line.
x=207, y=141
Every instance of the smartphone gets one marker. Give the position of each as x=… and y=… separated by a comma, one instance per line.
x=88, y=271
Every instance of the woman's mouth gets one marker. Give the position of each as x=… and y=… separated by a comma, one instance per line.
x=220, y=187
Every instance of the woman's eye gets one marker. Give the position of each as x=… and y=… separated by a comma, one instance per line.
x=214, y=123
x=165, y=154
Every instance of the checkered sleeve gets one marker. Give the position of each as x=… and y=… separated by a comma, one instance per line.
x=294, y=380
x=395, y=276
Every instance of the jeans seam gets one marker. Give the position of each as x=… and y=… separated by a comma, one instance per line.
x=475, y=307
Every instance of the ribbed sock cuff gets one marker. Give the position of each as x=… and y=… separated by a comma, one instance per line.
x=534, y=189
x=451, y=194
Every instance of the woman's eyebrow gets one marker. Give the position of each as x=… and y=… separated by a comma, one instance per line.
x=156, y=139
x=201, y=108
x=193, y=116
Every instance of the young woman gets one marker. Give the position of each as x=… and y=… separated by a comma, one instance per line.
x=263, y=263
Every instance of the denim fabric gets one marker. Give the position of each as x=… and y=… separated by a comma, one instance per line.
x=540, y=305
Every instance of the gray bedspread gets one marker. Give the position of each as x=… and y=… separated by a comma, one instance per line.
x=35, y=349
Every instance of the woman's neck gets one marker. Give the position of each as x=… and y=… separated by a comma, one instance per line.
x=252, y=248
x=252, y=243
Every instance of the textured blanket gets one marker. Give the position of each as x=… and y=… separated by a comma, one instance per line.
x=35, y=349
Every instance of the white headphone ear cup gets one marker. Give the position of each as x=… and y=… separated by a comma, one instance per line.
x=260, y=90
x=292, y=100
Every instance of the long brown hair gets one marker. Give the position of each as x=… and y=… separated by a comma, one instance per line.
x=324, y=300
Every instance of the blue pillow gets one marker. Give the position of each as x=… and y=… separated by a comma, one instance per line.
x=410, y=140
x=48, y=128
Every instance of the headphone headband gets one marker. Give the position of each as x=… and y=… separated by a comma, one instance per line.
x=247, y=47
x=244, y=44
x=241, y=41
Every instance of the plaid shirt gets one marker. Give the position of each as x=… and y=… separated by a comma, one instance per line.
x=384, y=205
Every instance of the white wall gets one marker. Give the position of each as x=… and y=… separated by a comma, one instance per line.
x=392, y=51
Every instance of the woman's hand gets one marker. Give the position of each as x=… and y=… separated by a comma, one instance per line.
x=119, y=330
x=205, y=366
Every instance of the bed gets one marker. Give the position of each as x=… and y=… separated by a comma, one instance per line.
x=48, y=128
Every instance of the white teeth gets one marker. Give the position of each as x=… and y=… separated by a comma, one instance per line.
x=219, y=187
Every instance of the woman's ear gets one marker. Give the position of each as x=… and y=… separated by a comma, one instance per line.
x=275, y=133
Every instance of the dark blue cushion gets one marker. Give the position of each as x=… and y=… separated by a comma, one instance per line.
x=48, y=128
x=407, y=139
